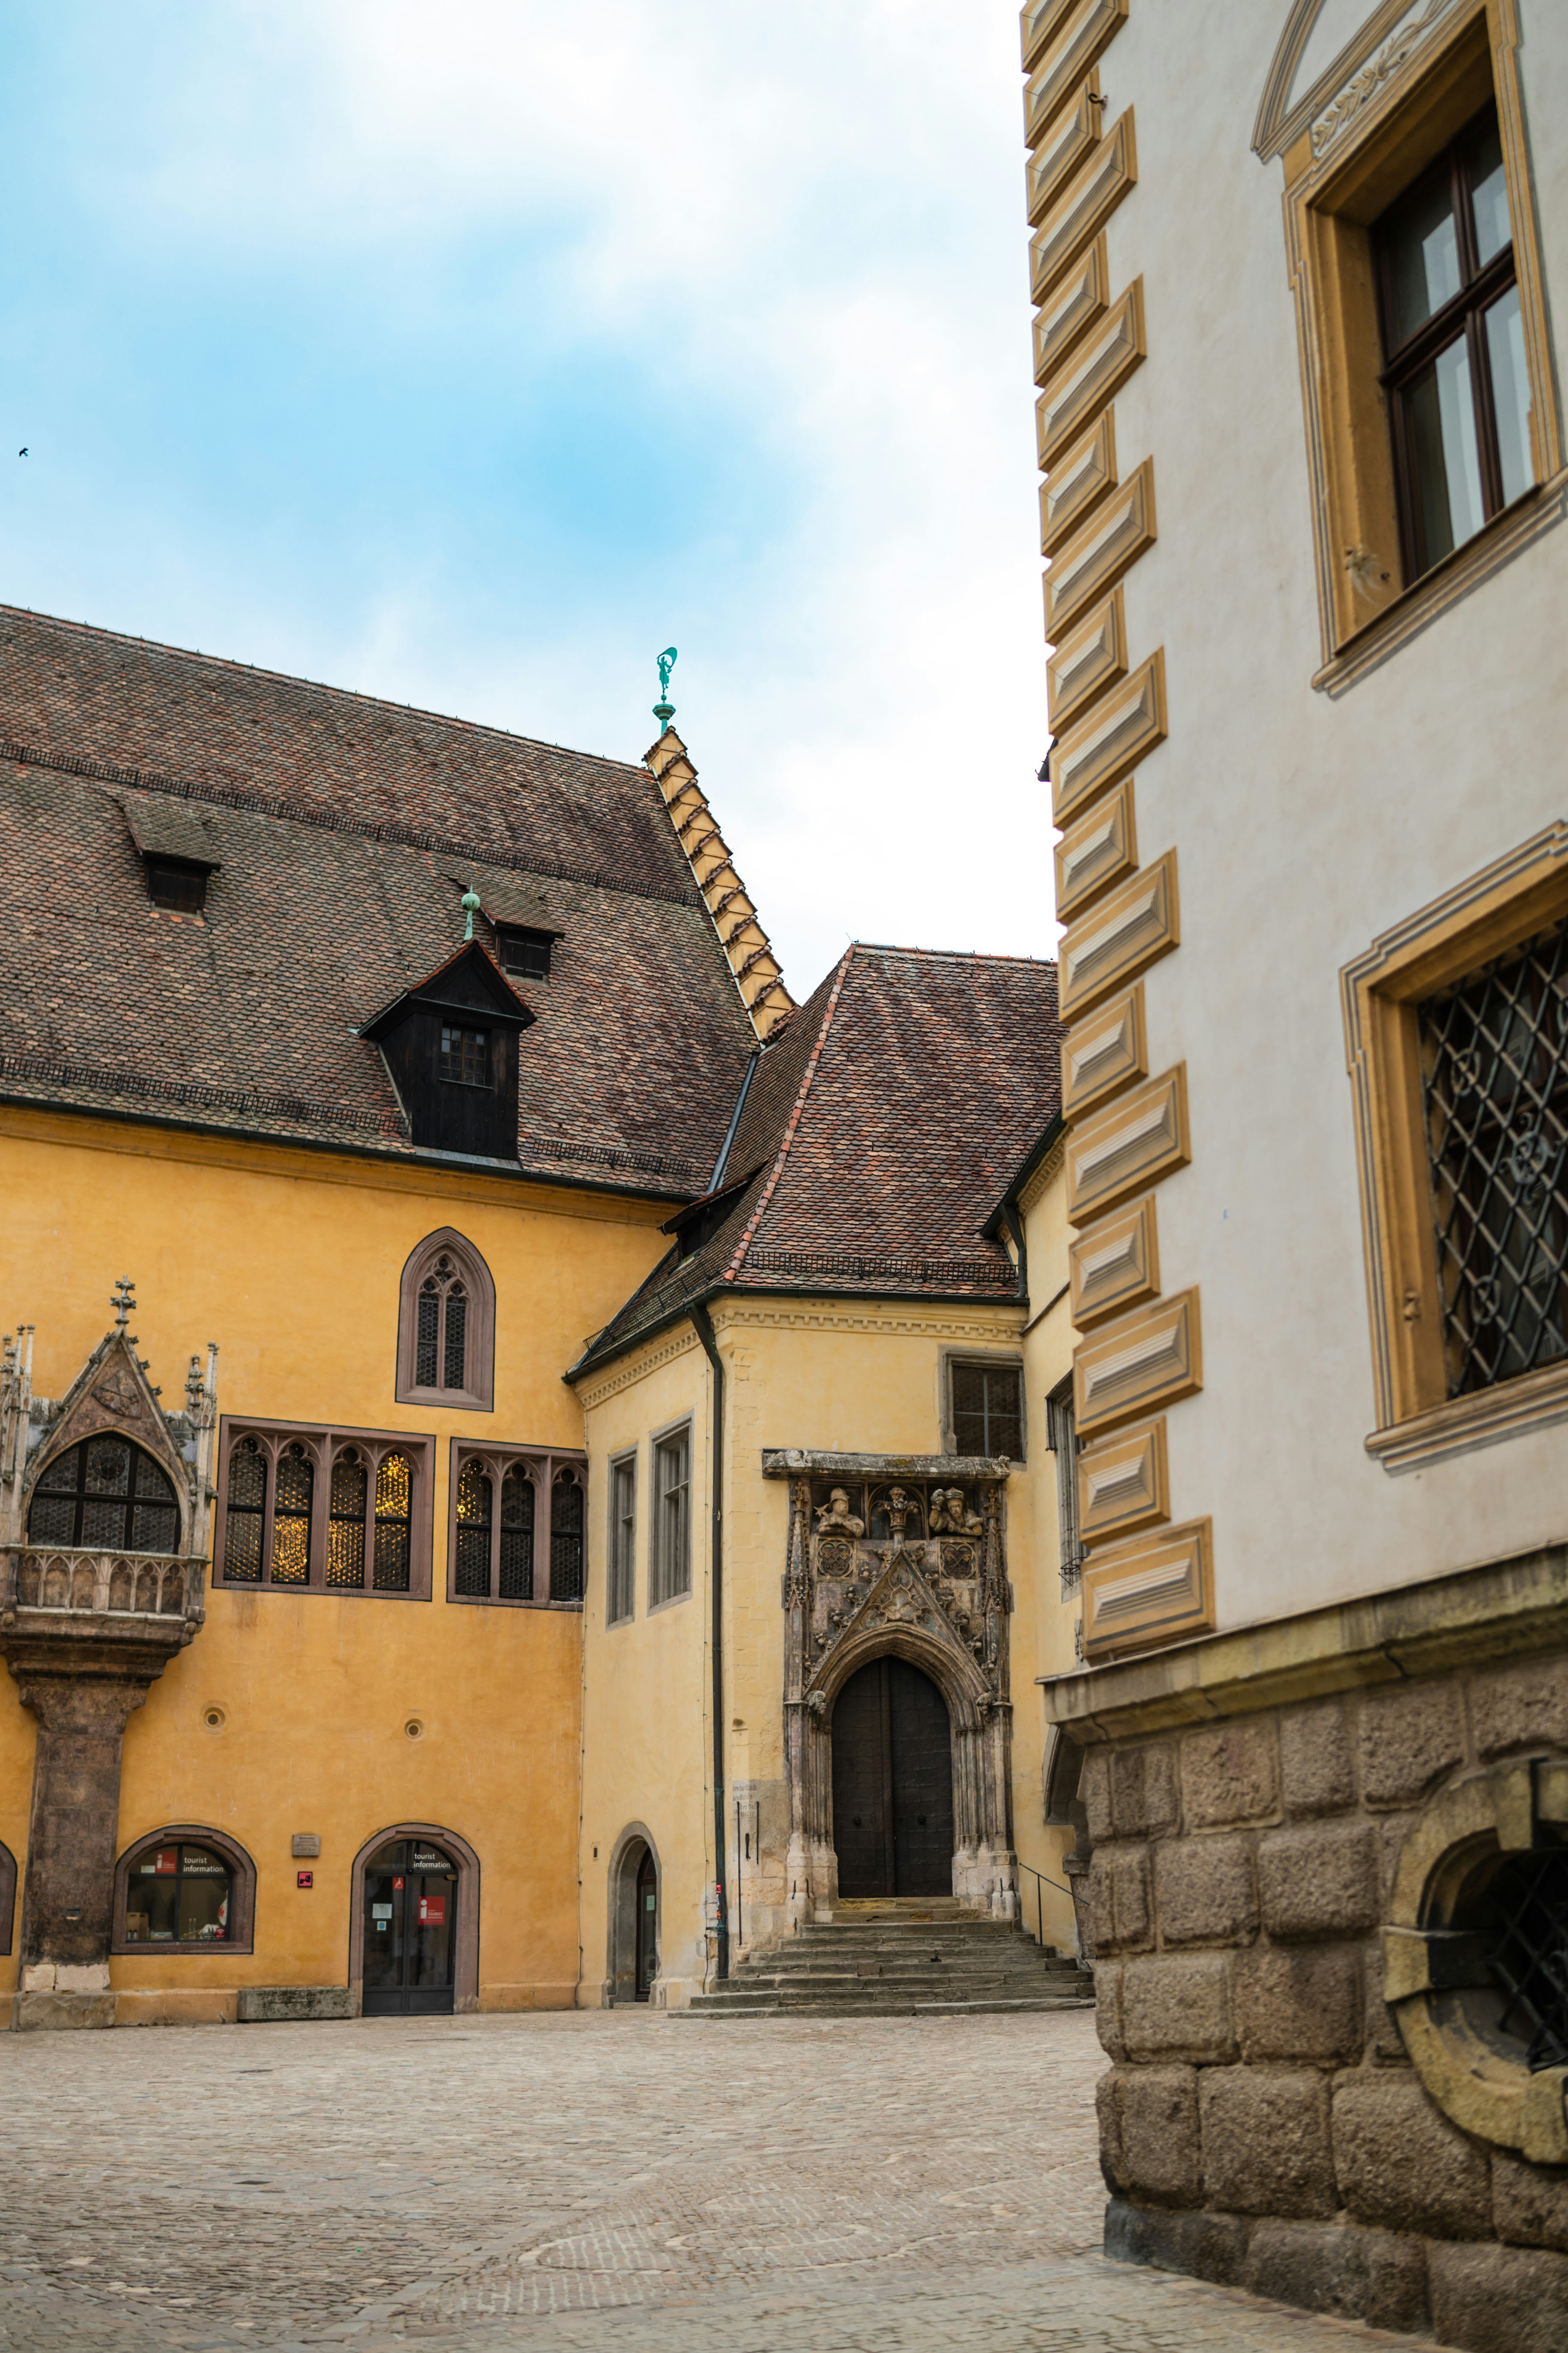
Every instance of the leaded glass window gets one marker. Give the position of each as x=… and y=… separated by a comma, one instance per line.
x=1494, y=1066
x=293, y=1494
x=345, y=1521
x=475, y=1489
x=987, y=1411
x=246, y=1513
x=104, y=1495
x=566, y=1537
x=393, y=1525
x=517, y=1535
x=441, y=1340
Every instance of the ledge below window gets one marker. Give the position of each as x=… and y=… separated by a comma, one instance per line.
x=1532, y=1401
x=1464, y=568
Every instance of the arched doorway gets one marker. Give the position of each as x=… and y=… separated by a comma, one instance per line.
x=648, y=1925
x=892, y=1783
x=410, y=1912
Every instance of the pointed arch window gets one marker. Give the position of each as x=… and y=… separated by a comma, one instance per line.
x=516, y=1518
x=445, y=1326
x=104, y=1495
x=323, y=1511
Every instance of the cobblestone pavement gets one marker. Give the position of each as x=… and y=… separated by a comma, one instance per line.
x=612, y=2180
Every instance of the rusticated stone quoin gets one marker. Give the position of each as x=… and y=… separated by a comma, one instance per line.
x=1316, y=1763
x=1299, y=2003
x=1265, y=2141
x=1178, y=2007
x=1144, y=1791
x=1205, y=1891
x=1157, y=2132
x=1409, y=1739
x=1119, y=1899
x=1401, y=2165
x=1229, y=1774
x=1520, y=1707
x=1319, y=1881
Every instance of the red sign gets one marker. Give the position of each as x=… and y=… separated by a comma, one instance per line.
x=398, y=1883
x=432, y=1911
x=167, y=1862
x=304, y=1879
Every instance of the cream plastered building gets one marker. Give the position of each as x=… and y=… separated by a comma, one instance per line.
x=1295, y=269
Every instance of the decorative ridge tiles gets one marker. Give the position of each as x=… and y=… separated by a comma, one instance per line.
x=746, y=945
x=275, y=805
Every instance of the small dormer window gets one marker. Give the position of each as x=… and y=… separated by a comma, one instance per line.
x=465, y=1056
x=524, y=953
x=177, y=883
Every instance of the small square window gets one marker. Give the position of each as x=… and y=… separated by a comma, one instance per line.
x=524, y=953
x=177, y=883
x=465, y=1056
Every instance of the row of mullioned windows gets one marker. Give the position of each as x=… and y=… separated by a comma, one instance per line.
x=669, y=1527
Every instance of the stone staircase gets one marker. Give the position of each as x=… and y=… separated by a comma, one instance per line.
x=927, y=1957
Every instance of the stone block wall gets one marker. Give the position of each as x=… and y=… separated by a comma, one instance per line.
x=1261, y=2123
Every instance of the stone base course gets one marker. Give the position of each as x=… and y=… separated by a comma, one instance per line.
x=1261, y=2123
x=267, y=2005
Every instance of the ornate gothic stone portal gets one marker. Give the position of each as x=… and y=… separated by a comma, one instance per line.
x=104, y=1501
x=898, y=1556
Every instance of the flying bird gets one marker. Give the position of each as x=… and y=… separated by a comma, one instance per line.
x=21, y=453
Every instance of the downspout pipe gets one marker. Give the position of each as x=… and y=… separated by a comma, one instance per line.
x=1015, y=1227
x=702, y=1323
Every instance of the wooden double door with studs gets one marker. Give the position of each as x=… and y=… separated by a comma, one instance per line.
x=892, y=1784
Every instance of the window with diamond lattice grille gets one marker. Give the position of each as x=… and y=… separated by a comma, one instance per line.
x=394, y=1519
x=473, y=1564
x=345, y=1522
x=1494, y=1066
x=311, y=1511
x=293, y=1494
x=1527, y=1902
x=566, y=1537
x=104, y=1495
x=517, y=1536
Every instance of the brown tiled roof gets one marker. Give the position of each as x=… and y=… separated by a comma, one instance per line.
x=343, y=828
x=883, y=1123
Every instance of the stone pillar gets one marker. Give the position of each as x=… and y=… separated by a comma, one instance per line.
x=68, y=1904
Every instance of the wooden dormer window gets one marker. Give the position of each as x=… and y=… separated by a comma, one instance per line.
x=465, y=1056
x=177, y=883
x=524, y=953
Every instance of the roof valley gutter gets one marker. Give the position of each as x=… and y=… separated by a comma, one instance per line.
x=728, y=1143
x=702, y=1323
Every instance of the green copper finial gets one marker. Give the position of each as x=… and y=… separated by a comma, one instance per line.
x=469, y=903
x=663, y=709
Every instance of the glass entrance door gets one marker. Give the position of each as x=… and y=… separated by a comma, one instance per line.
x=410, y=1929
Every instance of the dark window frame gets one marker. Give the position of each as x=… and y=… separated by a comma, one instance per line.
x=177, y=884
x=1061, y=1436
x=1000, y=1361
x=326, y=1443
x=1461, y=318
x=542, y=1466
x=477, y=1394
x=241, y=1899
x=472, y=1053
x=524, y=952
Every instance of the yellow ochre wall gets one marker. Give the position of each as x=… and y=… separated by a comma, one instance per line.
x=289, y=1260
x=834, y=1376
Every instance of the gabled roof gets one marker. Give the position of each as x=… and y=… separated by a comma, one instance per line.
x=465, y=983
x=343, y=831
x=882, y=1123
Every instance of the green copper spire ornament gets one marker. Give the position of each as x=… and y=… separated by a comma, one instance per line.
x=663, y=709
x=470, y=902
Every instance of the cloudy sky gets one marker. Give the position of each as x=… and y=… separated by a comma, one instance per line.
x=469, y=352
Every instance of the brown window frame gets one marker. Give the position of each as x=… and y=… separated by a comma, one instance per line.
x=179, y=884
x=323, y=1443
x=477, y=1394
x=1462, y=317
x=242, y=1893
x=543, y=1466
x=982, y=1360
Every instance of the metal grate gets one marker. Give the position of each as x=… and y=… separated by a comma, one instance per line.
x=1528, y=1903
x=1494, y=1064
